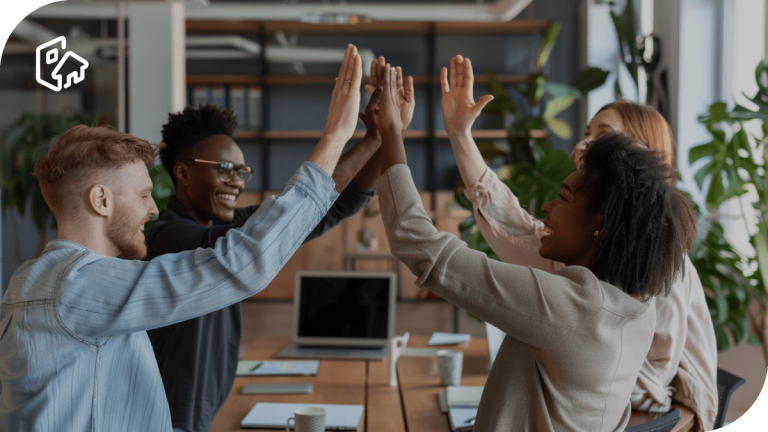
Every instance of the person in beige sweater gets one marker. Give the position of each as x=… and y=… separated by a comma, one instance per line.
x=681, y=365
x=576, y=338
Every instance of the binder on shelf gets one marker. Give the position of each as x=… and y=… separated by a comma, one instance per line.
x=254, y=107
x=239, y=104
x=200, y=96
x=218, y=96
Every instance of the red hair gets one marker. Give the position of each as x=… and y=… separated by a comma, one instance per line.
x=80, y=153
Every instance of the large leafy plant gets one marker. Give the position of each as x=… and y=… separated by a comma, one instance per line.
x=532, y=170
x=21, y=145
x=732, y=164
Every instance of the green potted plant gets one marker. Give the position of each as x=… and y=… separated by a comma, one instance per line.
x=733, y=163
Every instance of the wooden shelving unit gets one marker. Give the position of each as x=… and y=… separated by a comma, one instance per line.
x=277, y=80
x=261, y=32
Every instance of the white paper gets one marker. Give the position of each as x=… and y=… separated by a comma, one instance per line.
x=439, y=338
x=277, y=367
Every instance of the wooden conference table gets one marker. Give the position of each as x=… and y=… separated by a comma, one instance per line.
x=413, y=406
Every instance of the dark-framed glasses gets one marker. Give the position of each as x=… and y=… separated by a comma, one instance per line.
x=226, y=170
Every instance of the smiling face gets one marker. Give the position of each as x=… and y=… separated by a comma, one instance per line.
x=604, y=122
x=134, y=207
x=571, y=224
x=206, y=196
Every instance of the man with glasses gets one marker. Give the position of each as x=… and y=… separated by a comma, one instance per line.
x=198, y=358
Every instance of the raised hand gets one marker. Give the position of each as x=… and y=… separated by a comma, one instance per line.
x=404, y=101
x=367, y=116
x=387, y=116
x=345, y=101
x=458, y=104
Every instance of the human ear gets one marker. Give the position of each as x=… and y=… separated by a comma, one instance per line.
x=101, y=200
x=598, y=224
x=181, y=172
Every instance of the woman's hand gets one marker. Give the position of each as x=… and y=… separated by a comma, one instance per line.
x=458, y=104
x=345, y=101
x=387, y=119
x=404, y=100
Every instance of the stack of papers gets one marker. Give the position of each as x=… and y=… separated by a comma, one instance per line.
x=439, y=338
x=460, y=403
x=277, y=367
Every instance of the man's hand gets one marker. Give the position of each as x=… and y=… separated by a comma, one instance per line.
x=404, y=100
x=345, y=101
x=458, y=104
x=367, y=116
x=387, y=116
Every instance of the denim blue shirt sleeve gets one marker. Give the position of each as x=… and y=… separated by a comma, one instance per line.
x=73, y=355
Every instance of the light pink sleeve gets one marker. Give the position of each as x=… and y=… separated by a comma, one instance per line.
x=511, y=232
x=684, y=347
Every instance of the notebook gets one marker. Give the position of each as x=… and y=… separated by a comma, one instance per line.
x=462, y=418
x=463, y=396
x=439, y=338
x=276, y=415
x=277, y=367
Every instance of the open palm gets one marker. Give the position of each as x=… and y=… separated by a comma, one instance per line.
x=403, y=99
x=458, y=104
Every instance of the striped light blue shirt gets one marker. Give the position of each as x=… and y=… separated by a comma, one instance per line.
x=74, y=354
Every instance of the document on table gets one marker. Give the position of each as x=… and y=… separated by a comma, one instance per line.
x=463, y=396
x=439, y=338
x=462, y=418
x=275, y=415
x=277, y=367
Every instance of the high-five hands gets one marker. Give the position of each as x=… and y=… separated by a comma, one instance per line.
x=458, y=104
x=387, y=116
x=404, y=99
x=345, y=101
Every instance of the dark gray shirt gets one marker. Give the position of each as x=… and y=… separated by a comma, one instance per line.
x=198, y=358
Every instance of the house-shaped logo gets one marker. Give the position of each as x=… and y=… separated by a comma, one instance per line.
x=51, y=54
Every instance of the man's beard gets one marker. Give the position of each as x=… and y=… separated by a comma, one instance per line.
x=122, y=233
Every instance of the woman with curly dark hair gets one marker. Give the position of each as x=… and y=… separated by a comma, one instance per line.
x=576, y=338
x=681, y=365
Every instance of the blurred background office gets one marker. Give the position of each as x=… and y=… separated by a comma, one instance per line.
x=550, y=63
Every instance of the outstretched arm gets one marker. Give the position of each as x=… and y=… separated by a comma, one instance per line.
x=342, y=113
x=459, y=113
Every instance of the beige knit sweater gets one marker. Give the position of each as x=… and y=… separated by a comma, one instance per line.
x=574, y=344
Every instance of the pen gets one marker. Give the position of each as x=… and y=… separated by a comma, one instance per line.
x=256, y=366
x=472, y=420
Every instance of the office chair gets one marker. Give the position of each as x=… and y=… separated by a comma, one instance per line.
x=726, y=384
x=664, y=423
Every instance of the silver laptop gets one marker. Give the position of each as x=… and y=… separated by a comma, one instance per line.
x=348, y=315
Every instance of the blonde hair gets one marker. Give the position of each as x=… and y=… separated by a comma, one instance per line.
x=648, y=127
x=81, y=152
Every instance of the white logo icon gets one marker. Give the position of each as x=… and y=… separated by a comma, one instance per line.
x=51, y=56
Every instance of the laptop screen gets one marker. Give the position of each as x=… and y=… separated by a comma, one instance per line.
x=344, y=307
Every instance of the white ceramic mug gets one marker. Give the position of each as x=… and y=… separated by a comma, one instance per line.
x=307, y=419
x=449, y=365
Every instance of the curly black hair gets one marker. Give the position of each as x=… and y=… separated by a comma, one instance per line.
x=187, y=130
x=646, y=220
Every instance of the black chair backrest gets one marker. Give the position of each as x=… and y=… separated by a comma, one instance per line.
x=726, y=384
x=664, y=423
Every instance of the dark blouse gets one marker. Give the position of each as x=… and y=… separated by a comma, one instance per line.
x=198, y=358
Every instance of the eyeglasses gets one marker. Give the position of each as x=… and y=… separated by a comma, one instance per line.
x=227, y=170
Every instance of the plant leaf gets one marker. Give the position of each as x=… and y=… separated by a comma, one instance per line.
x=547, y=43
x=560, y=128
x=590, y=79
